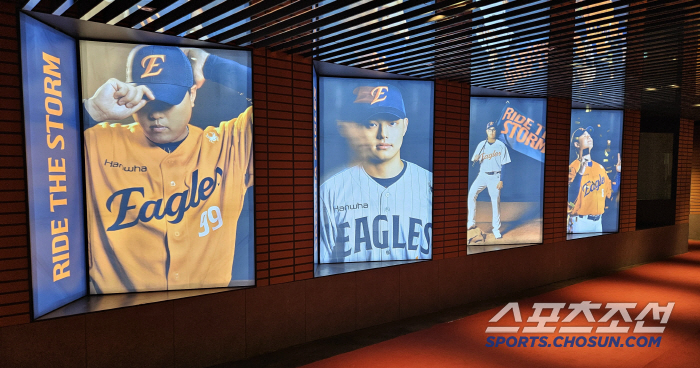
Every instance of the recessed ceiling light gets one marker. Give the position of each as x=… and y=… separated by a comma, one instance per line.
x=673, y=86
x=650, y=89
x=437, y=18
x=696, y=105
x=148, y=9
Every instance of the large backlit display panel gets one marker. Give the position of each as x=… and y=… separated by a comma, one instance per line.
x=375, y=169
x=169, y=167
x=594, y=171
x=506, y=176
x=54, y=166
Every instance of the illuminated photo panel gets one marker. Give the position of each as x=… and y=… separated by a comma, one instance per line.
x=375, y=170
x=169, y=167
x=506, y=175
x=594, y=171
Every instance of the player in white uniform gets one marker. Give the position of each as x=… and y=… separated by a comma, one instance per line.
x=492, y=154
x=381, y=208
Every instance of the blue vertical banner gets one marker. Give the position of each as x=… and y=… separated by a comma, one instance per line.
x=54, y=165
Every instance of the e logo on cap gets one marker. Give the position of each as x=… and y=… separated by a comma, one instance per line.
x=151, y=59
x=378, y=93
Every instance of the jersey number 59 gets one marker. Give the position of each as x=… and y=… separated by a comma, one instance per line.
x=213, y=215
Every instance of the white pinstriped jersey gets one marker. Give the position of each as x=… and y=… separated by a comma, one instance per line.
x=362, y=220
x=491, y=155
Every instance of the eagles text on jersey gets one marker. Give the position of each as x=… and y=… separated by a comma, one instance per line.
x=362, y=220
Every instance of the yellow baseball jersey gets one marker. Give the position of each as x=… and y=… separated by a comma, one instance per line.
x=165, y=221
x=595, y=188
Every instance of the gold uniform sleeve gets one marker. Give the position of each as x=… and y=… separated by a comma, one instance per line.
x=240, y=131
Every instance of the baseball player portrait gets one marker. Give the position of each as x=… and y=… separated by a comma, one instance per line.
x=590, y=186
x=377, y=207
x=164, y=195
x=492, y=156
x=506, y=175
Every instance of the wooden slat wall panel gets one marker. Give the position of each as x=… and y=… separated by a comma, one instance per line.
x=695, y=174
x=14, y=243
x=689, y=93
x=556, y=174
x=685, y=153
x=282, y=108
x=450, y=171
x=630, y=166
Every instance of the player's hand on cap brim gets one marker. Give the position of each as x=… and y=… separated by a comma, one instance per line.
x=197, y=58
x=116, y=100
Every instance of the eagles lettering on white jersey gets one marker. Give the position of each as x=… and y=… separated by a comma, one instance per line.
x=492, y=156
x=362, y=220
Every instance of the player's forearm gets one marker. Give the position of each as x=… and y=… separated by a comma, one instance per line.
x=615, y=183
x=574, y=188
x=89, y=118
x=227, y=73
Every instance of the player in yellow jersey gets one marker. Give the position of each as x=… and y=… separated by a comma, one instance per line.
x=164, y=196
x=589, y=186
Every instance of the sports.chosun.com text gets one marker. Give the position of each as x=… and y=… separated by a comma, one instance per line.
x=573, y=341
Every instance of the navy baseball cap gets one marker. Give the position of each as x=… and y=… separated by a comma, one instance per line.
x=376, y=102
x=490, y=125
x=165, y=70
x=579, y=131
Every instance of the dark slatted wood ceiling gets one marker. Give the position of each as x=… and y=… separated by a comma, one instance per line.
x=622, y=53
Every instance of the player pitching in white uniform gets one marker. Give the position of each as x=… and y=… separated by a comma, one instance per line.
x=491, y=154
x=380, y=208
